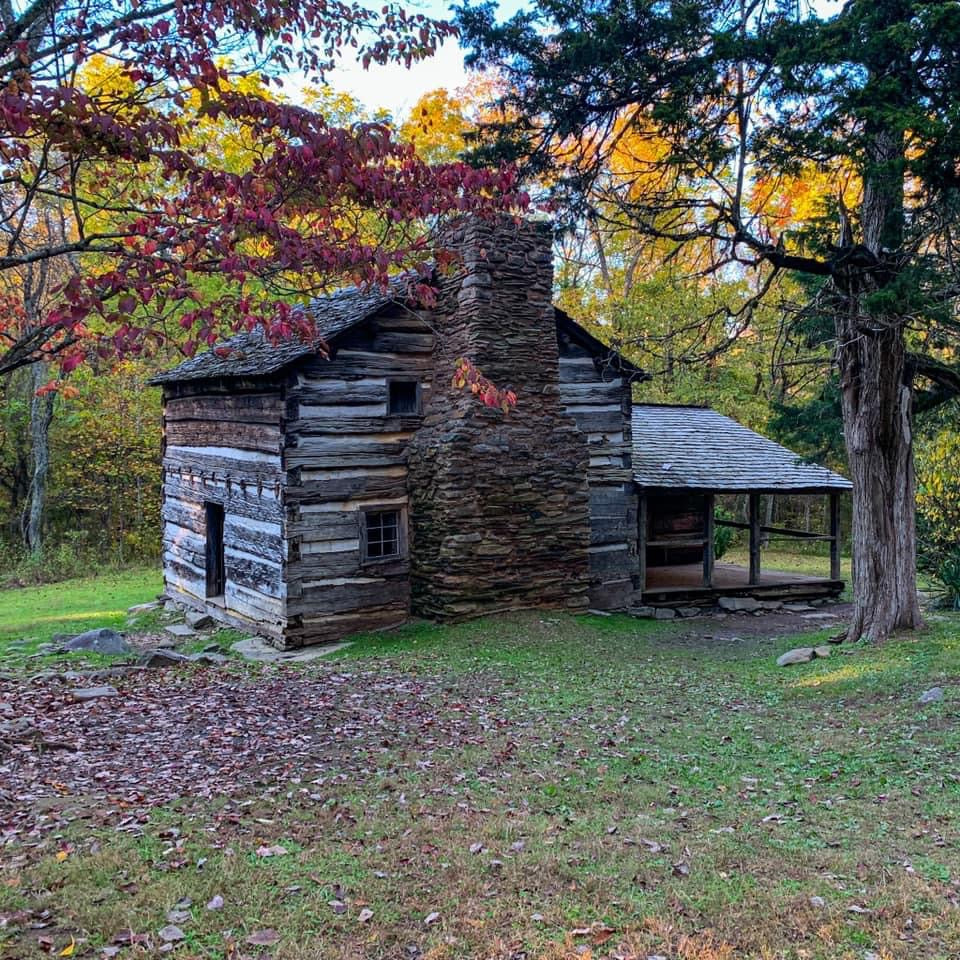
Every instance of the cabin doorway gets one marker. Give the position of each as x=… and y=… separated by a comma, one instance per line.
x=215, y=563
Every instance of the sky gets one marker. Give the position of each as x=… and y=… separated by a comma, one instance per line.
x=395, y=87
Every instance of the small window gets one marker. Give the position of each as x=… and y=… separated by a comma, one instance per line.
x=216, y=568
x=404, y=397
x=382, y=534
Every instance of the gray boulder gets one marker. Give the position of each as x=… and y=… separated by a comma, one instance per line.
x=209, y=657
x=103, y=640
x=664, y=613
x=799, y=655
x=933, y=695
x=199, y=620
x=739, y=604
x=162, y=657
x=822, y=651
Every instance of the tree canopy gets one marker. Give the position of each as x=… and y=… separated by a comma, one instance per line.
x=149, y=209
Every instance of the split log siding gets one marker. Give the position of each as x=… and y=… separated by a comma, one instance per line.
x=345, y=452
x=224, y=448
x=601, y=408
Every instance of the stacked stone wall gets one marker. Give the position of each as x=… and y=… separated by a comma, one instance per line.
x=499, y=502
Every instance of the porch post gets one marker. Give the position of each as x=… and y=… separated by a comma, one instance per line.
x=834, y=535
x=642, y=539
x=754, y=520
x=708, y=502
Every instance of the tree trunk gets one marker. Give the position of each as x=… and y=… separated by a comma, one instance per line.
x=41, y=415
x=877, y=400
x=877, y=418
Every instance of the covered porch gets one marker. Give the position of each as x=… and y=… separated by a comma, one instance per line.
x=687, y=457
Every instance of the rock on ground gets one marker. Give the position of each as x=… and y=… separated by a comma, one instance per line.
x=103, y=640
x=179, y=630
x=933, y=695
x=162, y=657
x=199, y=620
x=255, y=648
x=799, y=655
x=739, y=604
x=83, y=694
x=143, y=608
x=822, y=651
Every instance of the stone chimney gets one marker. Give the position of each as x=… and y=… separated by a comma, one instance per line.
x=499, y=503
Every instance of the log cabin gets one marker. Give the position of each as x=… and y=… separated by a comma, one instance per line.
x=311, y=491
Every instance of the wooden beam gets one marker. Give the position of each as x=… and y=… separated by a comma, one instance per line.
x=754, y=517
x=834, y=536
x=642, y=540
x=708, y=504
x=783, y=531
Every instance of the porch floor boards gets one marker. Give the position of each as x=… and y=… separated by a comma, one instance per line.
x=685, y=582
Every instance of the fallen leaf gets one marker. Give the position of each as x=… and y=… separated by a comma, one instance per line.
x=365, y=915
x=431, y=918
x=601, y=934
x=67, y=951
x=215, y=902
x=337, y=906
x=275, y=851
x=263, y=938
x=62, y=855
x=178, y=916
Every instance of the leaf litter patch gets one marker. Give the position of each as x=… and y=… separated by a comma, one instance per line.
x=195, y=736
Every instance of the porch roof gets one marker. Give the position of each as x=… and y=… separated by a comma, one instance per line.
x=696, y=448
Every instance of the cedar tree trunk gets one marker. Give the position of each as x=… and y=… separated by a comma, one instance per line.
x=876, y=397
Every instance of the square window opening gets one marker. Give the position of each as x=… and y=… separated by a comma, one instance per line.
x=382, y=534
x=404, y=397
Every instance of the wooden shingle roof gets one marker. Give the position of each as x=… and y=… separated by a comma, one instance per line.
x=696, y=448
x=253, y=355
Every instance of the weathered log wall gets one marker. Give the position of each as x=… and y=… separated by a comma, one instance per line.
x=498, y=502
x=599, y=401
x=345, y=453
x=222, y=445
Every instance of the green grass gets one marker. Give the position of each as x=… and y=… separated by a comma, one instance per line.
x=35, y=614
x=811, y=564
x=637, y=788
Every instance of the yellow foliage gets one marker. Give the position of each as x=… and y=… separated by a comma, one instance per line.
x=789, y=201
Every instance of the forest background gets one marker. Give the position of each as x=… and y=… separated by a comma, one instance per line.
x=770, y=368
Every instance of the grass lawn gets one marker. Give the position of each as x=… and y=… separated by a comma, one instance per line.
x=37, y=613
x=526, y=787
x=771, y=558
